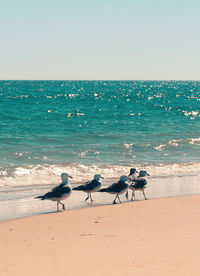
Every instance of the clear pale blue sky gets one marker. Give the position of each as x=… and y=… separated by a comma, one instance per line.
x=107, y=39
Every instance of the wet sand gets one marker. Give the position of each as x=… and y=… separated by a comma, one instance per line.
x=16, y=203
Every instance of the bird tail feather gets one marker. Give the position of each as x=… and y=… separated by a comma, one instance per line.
x=79, y=188
x=41, y=197
x=103, y=190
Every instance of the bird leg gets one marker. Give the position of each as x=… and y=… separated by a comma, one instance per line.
x=114, y=202
x=63, y=205
x=87, y=197
x=119, y=198
x=91, y=198
x=144, y=195
x=133, y=195
x=126, y=195
x=57, y=206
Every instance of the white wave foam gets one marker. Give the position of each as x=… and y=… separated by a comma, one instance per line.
x=74, y=114
x=176, y=143
x=194, y=141
x=160, y=147
x=50, y=174
x=128, y=146
x=192, y=113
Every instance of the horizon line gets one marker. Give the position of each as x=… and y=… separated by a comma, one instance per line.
x=98, y=80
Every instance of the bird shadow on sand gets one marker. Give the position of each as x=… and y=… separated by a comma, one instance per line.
x=96, y=204
x=89, y=205
x=49, y=212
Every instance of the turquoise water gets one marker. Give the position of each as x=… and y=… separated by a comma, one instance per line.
x=86, y=126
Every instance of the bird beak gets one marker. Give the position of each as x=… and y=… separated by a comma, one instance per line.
x=148, y=174
x=102, y=177
x=70, y=176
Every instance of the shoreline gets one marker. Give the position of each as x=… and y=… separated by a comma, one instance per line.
x=89, y=206
x=153, y=237
x=22, y=204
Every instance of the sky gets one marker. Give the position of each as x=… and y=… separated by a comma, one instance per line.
x=99, y=40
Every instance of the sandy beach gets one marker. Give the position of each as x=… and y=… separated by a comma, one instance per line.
x=153, y=237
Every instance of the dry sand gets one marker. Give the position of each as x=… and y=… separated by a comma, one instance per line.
x=153, y=237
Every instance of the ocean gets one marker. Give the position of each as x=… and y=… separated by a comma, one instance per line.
x=88, y=127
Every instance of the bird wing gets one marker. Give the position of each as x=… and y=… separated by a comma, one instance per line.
x=57, y=187
x=117, y=187
x=46, y=196
x=66, y=189
x=112, y=187
x=91, y=184
x=139, y=183
x=56, y=191
x=87, y=186
x=53, y=193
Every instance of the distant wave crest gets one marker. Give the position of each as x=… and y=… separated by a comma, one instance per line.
x=176, y=143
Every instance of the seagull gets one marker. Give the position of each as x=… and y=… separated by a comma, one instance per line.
x=59, y=192
x=117, y=188
x=139, y=184
x=132, y=175
x=90, y=186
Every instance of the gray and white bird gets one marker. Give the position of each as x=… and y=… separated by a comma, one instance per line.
x=90, y=186
x=139, y=184
x=132, y=175
x=59, y=192
x=117, y=188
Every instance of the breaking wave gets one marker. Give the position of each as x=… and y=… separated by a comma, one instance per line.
x=178, y=142
x=50, y=174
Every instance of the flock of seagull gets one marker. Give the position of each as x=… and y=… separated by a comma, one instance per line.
x=133, y=181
